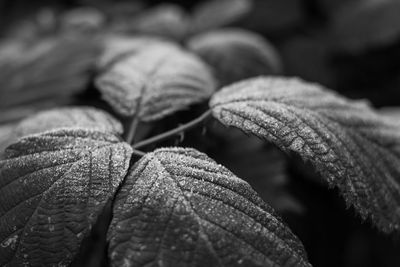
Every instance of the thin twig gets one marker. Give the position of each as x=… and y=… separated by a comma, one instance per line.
x=176, y=131
x=132, y=130
x=138, y=152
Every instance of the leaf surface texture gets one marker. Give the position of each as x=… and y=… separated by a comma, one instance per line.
x=178, y=207
x=53, y=185
x=156, y=82
x=352, y=146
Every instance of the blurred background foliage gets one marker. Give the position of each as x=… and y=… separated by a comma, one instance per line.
x=351, y=46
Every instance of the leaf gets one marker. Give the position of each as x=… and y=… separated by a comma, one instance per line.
x=177, y=207
x=156, y=82
x=36, y=25
x=236, y=54
x=53, y=185
x=70, y=117
x=117, y=47
x=165, y=20
x=82, y=19
x=217, y=13
x=392, y=113
x=120, y=11
x=44, y=69
x=361, y=25
x=60, y=118
x=15, y=114
x=350, y=145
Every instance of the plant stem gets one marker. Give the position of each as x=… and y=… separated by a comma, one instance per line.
x=132, y=130
x=138, y=152
x=176, y=131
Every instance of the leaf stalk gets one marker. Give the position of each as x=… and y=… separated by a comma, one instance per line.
x=176, y=131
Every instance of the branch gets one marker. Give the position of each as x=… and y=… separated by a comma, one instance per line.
x=185, y=127
x=138, y=152
x=132, y=129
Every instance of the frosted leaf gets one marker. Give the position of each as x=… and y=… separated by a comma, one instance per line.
x=361, y=25
x=178, y=207
x=236, y=54
x=52, y=188
x=349, y=144
x=70, y=117
x=217, y=13
x=156, y=82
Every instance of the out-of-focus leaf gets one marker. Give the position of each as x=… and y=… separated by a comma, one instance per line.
x=82, y=19
x=166, y=20
x=361, y=25
x=53, y=185
x=178, y=207
x=236, y=54
x=45, y=69
x=40, y=24
x=15, y=114
x=118, y=47
x=349, y=144
x=392, y=113
x=217, y=13
x=156, y=82
x=70, y=117
x=120, y=11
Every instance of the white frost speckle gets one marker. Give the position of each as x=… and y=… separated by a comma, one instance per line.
x=10, y=242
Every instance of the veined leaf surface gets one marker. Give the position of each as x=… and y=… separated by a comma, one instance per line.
x=177, y=207
x=53, y=185
x=346, y=141
x=156, y=82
